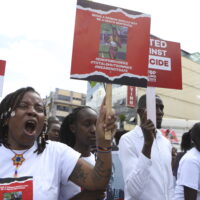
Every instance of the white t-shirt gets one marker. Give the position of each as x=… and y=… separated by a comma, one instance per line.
x=67, y=191
x=49, y=169
x=188, y=174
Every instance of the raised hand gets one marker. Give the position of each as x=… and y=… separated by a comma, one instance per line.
x=149, y=131
x=105, y=122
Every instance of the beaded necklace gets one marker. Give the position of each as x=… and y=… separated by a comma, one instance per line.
x=18, y=160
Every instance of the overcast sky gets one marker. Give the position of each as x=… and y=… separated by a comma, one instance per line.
x=36, y=37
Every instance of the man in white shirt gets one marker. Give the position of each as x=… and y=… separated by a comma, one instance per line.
x=146, y=158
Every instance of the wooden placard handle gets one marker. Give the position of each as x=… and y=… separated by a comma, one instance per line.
x=108, y=134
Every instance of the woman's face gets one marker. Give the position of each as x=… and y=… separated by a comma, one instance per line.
x=85, y=127
x=27, y=123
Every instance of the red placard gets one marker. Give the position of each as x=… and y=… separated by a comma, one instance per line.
x=16, y=188
x=164, y=64
x=2, y=72
x=2, y=67
x=110, y=44
x=131, y=96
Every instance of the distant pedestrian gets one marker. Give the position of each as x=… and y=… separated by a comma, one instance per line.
x=53, y=128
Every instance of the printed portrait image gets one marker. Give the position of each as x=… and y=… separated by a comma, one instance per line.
x=113, y=41
x=12, y=196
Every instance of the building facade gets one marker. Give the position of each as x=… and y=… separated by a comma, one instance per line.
x=61, y=102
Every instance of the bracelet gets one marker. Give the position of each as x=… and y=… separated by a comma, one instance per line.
x=104, y=149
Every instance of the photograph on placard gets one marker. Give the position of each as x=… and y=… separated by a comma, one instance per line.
x=113, y=41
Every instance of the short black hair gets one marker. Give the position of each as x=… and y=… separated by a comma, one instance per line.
x=195, y=133
x=142, y=101
x=186, y=142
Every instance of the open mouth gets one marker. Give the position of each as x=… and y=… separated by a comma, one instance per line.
x=30, y=126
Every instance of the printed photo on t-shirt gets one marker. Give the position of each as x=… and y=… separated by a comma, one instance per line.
x=16, y=188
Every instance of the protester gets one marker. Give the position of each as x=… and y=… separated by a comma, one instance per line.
x=53, y=128
x=188, y=177
x=146, y=158
x=186, y=144
x=78, y=130
x=46, y=165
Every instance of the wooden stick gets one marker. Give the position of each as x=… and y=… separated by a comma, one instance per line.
x=108, y=134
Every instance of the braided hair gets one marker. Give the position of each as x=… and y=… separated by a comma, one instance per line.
x=7, y=106
x=66, y=134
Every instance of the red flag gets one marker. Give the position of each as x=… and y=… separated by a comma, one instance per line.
x=170, y=135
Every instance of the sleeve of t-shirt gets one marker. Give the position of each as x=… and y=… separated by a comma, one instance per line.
x=189, y=173
x=68, y=160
